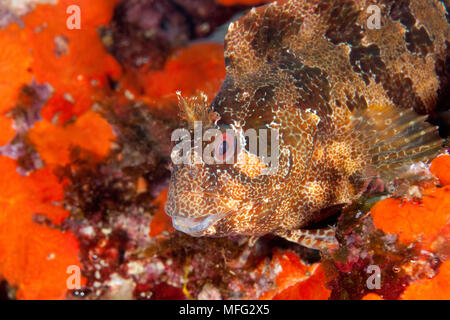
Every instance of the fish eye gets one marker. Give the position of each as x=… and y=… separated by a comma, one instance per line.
x=225, y=147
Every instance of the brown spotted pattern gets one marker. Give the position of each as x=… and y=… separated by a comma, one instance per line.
x=340, y=95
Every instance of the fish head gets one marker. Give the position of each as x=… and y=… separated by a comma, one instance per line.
x=219, y=187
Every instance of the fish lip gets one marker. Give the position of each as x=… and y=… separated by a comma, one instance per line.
x=195, y=226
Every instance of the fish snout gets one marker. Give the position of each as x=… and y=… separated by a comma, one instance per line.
x=193, y=213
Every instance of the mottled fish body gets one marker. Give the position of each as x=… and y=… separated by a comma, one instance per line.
x=345, y=97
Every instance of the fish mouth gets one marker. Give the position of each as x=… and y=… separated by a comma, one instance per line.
x=195, y=226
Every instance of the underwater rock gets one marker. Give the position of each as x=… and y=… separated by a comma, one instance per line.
x=11, y=11
x=440, y=167
x=17, y=70
x=96, y=198
x=247, y=2
x=25, y=114
x=75, y=74
x=40, y=272
x=145, y=32
x=430, y=289
x=54, y=143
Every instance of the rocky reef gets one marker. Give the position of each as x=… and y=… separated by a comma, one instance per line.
x=85, y=120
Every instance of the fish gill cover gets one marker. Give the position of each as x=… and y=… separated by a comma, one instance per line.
x=86, y=116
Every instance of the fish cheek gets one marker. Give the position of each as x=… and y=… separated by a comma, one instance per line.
x=235, y=189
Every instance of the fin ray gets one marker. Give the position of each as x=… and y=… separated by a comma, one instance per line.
x=396, y=139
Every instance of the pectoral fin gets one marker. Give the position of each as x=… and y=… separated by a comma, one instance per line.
x=396, y=139
x=318, y=239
